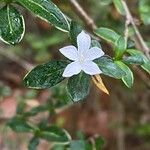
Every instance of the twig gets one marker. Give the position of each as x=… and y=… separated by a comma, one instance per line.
x=89, y=22
x=130, y=19
x=24, y=64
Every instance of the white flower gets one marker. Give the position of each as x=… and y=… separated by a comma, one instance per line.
x=82, y=57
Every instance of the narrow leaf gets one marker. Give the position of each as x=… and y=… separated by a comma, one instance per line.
x=119, y=6
x=48, y=11
x=12, y=25
x=120, y=47
x=34, y=142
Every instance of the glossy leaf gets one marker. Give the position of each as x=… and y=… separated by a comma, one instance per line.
x=12, y=25
x=109, y=68
x=75, y=29
x=45, y=75
x=120, y=47
x=19, y=125
x=78, y=86
x=107, y=34
x=128, y=79
x=34, y=142
x=54, y=134
x=119, y=6
x=48, y=11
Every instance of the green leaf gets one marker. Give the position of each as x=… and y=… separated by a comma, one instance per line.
x=128, y=79
x=107, y=34
x=95, y=43
x=46, y=75
x=75, y=29
x=146, y=67
x=34, y=142
x=48, y=11
x=19, y=125
x=78, y=86
x=99, y=142
x=109, y=68
x=77, y=145
x=119, y=6
x=140, y=56
x=12, y=25
x=144, y=9
x=54, y=134
x=120, y=47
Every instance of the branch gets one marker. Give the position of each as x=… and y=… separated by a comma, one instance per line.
x=129, y=19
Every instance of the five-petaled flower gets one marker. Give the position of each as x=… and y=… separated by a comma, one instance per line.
x=82, y=57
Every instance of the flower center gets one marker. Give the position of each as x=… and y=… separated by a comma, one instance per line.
x=81, y=58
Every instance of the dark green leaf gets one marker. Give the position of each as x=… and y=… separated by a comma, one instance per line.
x=34, y=142
x=109, y=68
x=46, y=75
x=12, y=26
x=78, y=86
x=134, y=59
x=128, y=79
x=75, y=29
x=95, y=43
x=107, y=34
x=99, y=143
x=19, y=125
x=48, y=11
x=120, y=47
x=119, y=6
x=146, y=62
x=54, y=134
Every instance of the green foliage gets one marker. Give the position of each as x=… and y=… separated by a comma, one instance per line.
x=119, y=7
x=120, y=47
x=78, y=86
x=12, y=26
x=47, y=11
x=46, y=75
x=144, y=10
x=128, y=79
x=107, y=34
x=109, y=68
x=34, y=142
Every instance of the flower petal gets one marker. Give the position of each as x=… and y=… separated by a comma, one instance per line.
x=70, y=52
x=93, y=53
x=83, y=41
x=72, y=69
x=91, y=68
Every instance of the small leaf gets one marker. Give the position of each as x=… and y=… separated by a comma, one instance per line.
x=12, y=25
x=75, y=29
x=46, y=75
x=99, y=83
x=99, y=142
x=19, y=125
x=34, y=142
x=144, y=9
x=107, y=34
x=77, y=145
x=54, y=134
x=95, y=43
x=109, y=68
x=128, y=79
x=140, y=56
x=120, y=47
x=48, y=11
x=78, y=86
x=119, y=6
